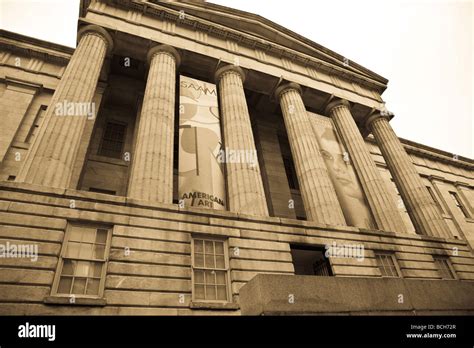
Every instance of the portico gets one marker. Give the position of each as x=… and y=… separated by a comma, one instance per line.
x=219, y=149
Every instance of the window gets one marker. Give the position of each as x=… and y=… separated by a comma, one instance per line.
x=288, y=162
x=457, y=201
x=387, y=264
x=210, y=270
x=36, y=123
x=113, y=140
x=433, y=196
x=82, y=266
x=98, y=190
x=445, y=268
x=310, y=261
x=291, y=173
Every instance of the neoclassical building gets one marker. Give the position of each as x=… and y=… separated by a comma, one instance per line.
x=188, y=158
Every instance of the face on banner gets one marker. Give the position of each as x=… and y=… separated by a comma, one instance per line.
x=342, y=174
x=201, y=176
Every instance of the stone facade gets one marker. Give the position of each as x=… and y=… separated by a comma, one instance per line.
x=112, y=169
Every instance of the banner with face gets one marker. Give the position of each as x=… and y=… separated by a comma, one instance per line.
x=341, y=171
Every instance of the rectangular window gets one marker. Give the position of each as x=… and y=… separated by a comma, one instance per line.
x=210, y=270
x=291, y=173
x=113, y=140
x=309, y=260
x=445, y=269
x=36, y=124
x=82, y=265
x=433, y=196
x=288, y=163
x=459, y=204
x=388, y=265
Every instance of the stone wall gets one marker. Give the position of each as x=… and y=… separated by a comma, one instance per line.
x=157, y=271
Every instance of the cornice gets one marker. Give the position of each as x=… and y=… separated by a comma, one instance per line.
x=36, y=48
x=12, y=81
x=436, y=154
x=432, y=153
x=432, y=177
x=269, y=25
x=43, y=73
x=163, y=12
x=83, y=6
x=464, y=184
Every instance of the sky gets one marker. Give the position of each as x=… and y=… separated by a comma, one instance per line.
x=425, y=48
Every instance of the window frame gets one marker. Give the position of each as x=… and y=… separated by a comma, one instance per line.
x=59, y=267
x=394, y=260
x=459, y=204
x=447, y=262
x=227, y=270
x=434, y=197
x=124, y=140
x=33, y=131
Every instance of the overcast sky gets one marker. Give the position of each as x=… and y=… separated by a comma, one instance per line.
x=424, y=47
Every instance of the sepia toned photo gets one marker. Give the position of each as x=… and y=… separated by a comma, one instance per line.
x=214, y=158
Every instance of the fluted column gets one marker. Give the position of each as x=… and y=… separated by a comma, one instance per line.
x=420, y=206
x=244, y=180
x=382, y=205
x=319, y=197
x=152, y=168
x=51, y=159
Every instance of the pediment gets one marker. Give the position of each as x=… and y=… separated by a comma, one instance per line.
x=264, y=29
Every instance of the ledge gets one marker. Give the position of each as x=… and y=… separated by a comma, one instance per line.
x=109, y=160
x=208, y=216
x=271, y=294
x=79, y=301
x=214, y=305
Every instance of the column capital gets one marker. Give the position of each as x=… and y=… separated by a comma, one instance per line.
x=287, y=86
x=95, y=29
x=336, y=103
x=226, y=68
x=166, y=49
x=376, y=115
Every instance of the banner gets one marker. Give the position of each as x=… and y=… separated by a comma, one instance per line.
x=201, y=180
x=341, y=171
